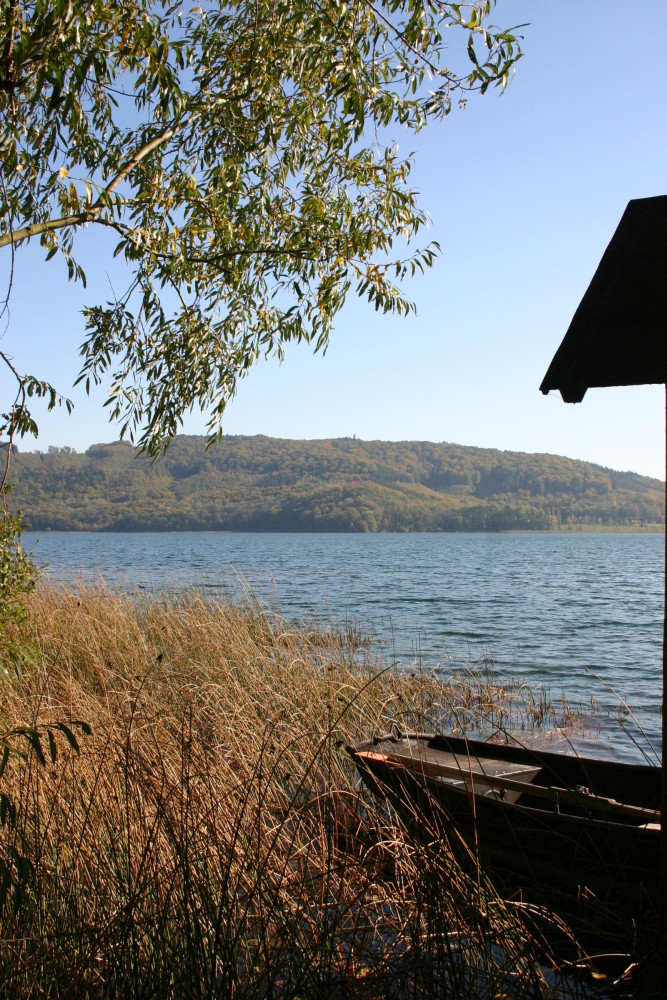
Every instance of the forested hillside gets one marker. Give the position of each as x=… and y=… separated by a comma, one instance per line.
x=267, y=484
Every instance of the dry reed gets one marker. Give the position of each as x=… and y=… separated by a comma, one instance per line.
x=211, y=839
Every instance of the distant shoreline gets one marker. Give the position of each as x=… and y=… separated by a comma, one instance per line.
x=591, y=529
x=585, y=529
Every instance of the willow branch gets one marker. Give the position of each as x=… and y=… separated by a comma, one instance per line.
x=20, y=395
x=92, y=214
x=67, y=220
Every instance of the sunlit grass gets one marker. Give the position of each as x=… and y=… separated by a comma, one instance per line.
x=211, y=838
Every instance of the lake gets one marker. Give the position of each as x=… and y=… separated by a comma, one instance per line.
x=581, y=613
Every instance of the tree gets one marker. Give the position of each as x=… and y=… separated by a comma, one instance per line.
x=240, y=151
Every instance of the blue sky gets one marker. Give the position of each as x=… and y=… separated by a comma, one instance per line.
x=525, y=191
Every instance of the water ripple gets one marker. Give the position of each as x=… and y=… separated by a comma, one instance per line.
x=579, y=612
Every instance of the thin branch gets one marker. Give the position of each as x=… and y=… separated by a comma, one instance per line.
x=68, y=220
x=8, y=78
x=10, y=282
x=20, y=396
x=135, y=160
x=92, y=214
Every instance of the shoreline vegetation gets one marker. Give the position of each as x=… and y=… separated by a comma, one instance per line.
x=570, y=529
x=209, y=837
x=267, y=484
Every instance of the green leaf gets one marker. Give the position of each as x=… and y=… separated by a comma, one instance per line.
x=69, y=735
x=53, y=750
x=35, y=740
x=4, y=757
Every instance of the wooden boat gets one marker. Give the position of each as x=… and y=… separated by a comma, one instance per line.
x=580, y=827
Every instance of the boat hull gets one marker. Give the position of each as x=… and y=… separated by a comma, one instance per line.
x=594, y=838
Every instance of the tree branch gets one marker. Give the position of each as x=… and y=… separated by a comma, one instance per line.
x=44, y=227
x=20, y=395
x=92, y=214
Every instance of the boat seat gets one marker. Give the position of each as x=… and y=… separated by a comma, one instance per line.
x=473, y=770
x=517, y=773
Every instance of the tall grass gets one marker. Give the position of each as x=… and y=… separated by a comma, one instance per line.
x=211, y=839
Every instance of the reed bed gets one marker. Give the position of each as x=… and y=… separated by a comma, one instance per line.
x=210, y=838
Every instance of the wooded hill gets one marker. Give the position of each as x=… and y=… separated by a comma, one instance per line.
x=268, y=484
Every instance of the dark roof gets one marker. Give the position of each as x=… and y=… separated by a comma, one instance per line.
x=618, y=335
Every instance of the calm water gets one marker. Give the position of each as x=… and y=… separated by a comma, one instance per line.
x=582, y=613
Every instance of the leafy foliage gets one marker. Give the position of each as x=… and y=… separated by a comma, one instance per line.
x=17, y=578
x=241, y=153
x=267, y=484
